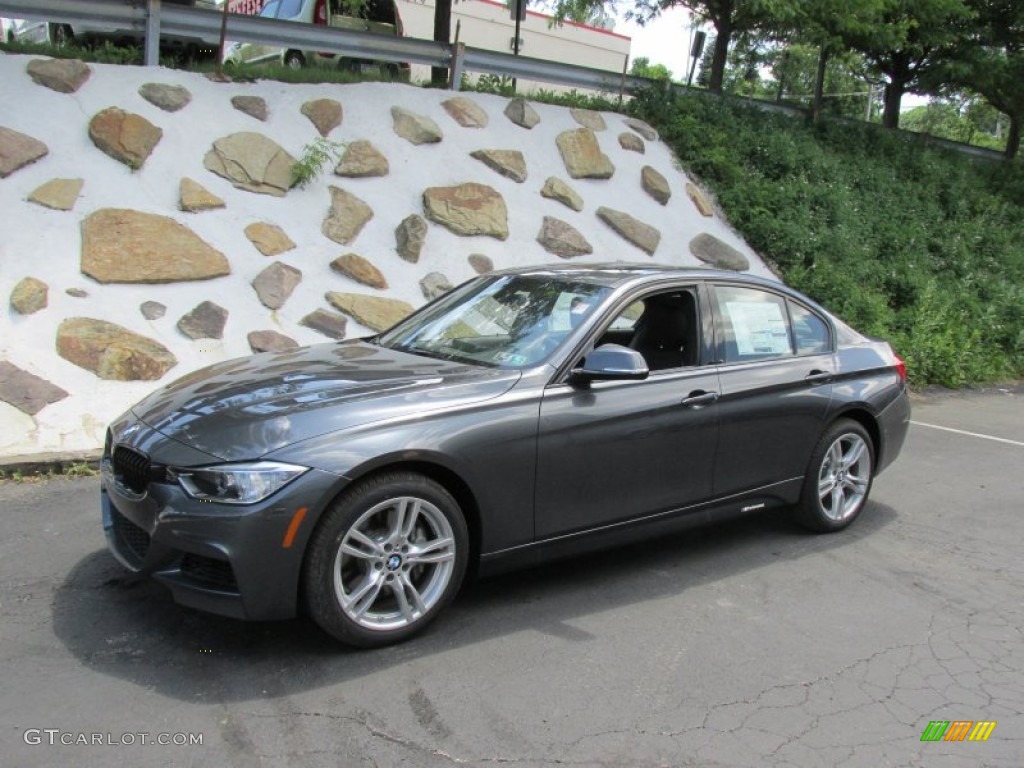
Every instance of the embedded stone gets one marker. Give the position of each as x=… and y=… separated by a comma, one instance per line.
x=275, y=284
x=465, y=112
x=270, y=341
x=124, y=136
x=588, y=118
x=29, y=296
x=329, y=324
x=269, y=239
x=410, y=236
x=643, y=236
x=59, y=194
x=152, y=310
x=642, y=128
x=521, y=113
x=254, y=106
x=61, y=75
x=480, y=263
x=169, y=98
x=360, y=160
x=435, y=284
x=26, y=391
x=77, y=293
x=252, y=162
x=582, y=155
x=124, y=246
x=193, y=197
x=632, y=143
x=112, y=352
x=702, y=203
x=205, y=321
x=556, y=189
x=18, y=150
x=325, y=114
x=417, y=129
x=354, y=266
x=374, y=312
x=711, y=250
x=562, y=239
x=507, y=162
x=346, y=218
x=655, y=184
x=468, y=209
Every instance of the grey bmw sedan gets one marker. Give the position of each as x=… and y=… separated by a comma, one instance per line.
x=526, y=415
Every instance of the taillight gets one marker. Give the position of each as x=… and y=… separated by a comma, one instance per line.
x=901, y=367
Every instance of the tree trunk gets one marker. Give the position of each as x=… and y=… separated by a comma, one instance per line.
x=893, y=96
x=1013, y=137
x=442, y=34
x=819, y=85
x=719, y=60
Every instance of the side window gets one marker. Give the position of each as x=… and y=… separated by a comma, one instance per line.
x=810, y=333
x=753, y=324
x=663, y=327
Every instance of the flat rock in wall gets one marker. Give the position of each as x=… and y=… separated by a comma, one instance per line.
x=59, y=194
x=521, y=113
x=354, y=266
x=18, y=150
x=169, y=98
x=588, y=118
x=124, y=136
x=435, y=284
x=416, y=129
x=346, y=217
x=643, y=236
x=410, y=236
x=481, y=263
x=204, y=321
x=253, y=106
x=26, y=391
x=112, y=352
x=29, y=296
x=468, y=209
x=274, y=285
x=124, y=246
x=655, y=184
x=711, y=250
x=152, y=310
x=269, y=239
x=330, y=324
x=270, y=341
x=632, y=143
x=61, y=75
x=252, y=162
x=508, y=162
x=374, y=312
x=642, y=128
x=562, y=239
x=582, y=155
x=193, y=197
x=465, y=112
x=556, y=189
x=699, y=200
x=361, y=160
x=325, y=114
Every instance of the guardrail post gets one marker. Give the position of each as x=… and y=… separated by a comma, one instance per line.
x=458, y=56
x=153, y=33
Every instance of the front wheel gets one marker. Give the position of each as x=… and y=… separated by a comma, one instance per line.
x=387, y=557
x=61, y=35
x=838, y=478
x=294, y=60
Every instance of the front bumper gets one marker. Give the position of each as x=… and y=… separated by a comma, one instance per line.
x=227, y=559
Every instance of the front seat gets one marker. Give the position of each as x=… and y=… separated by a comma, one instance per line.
x=666, y=333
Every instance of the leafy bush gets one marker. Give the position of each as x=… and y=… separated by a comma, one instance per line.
x=918, y=244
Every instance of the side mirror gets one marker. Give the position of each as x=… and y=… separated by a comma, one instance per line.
x=611, y=362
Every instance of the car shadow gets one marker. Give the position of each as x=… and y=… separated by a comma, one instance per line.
x=131, y=629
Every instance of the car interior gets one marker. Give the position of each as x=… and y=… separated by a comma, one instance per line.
x=664, y=328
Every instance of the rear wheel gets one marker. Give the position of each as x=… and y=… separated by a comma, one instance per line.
x=61, y=35
x=294, y=60
x=387, y=557
x=838, y=478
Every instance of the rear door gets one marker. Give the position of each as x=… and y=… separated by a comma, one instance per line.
x=775, y=368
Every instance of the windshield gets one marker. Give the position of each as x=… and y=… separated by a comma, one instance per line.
x=501, y=321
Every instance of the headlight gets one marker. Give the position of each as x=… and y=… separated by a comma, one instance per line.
x=235, y=483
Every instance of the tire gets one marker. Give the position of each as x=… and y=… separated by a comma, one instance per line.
x=294, y=60
x=385, y=559
x=838, y=479
x=61, y=35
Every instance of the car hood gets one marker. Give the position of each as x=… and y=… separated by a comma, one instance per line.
x=245, y=408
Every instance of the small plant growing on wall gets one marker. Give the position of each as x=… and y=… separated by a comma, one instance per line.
x=314, y=155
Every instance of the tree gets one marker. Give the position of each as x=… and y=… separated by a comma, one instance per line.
x=914, y=40
x=642, y=67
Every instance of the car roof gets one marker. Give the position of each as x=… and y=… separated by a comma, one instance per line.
x=616, y=274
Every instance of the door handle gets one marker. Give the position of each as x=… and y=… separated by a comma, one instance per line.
x=818, y=376
x=699, y=398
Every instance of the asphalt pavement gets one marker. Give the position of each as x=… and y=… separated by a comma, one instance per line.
x=748, y=643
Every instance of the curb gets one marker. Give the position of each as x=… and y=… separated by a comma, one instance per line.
x=45, y=463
